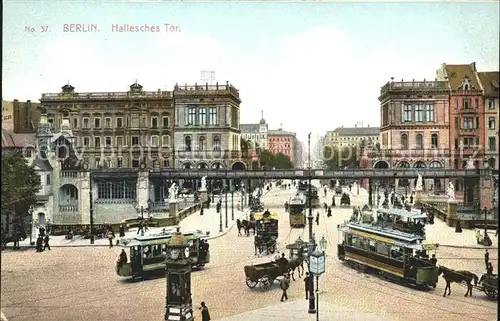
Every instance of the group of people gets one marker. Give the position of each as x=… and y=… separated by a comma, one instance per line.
x=42, y=241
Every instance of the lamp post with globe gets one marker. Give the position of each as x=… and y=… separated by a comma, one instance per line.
x=317, y=264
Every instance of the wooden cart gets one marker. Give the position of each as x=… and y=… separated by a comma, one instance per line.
x=264, y=274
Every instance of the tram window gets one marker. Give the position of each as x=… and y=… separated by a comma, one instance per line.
x=361, y=243
x=382, y=249
x=396, y=253
x=349, y=240
x=371, y=245
x=156, y=250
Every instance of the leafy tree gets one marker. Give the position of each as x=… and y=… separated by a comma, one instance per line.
x=266, y=159
x=338, y=158
x=282, y=161
x=20, y=183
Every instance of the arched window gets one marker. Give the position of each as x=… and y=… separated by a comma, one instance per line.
x=187, y=143
x=419, y=164
x=404, y=164
x=202, y=143
x=434, y=140
x=216, y=143
x=419, y=140
x=492, y=162
x=435, y=164
x=404, y=141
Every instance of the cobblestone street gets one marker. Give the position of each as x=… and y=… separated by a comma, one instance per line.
x=81, y=284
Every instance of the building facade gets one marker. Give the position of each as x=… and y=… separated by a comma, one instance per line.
x=207, y=127
x=490, y=83
x=414, y=128
x=352, y=136
x=116, y=129
x=256, y=134
x=282, y=141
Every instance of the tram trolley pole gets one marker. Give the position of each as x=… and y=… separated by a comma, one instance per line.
x=232, y=203
x=225, y=190
x=91, y=211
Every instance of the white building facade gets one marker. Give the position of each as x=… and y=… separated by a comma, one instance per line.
x=256, y=134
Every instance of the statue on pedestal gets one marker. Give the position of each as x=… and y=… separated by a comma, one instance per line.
x=470, y=163
x=451, y=191
x=204, y=183
x=172, y=192
x=419, y=186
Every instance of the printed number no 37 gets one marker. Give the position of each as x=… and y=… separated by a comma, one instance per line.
x=44, y=29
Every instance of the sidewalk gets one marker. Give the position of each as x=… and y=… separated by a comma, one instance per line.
x=297, y=310
x=208, y=222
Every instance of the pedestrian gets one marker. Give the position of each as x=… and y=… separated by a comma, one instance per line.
x=486, y=258
x=205, y=314
x=141, y=227
x=284, y=284
x=39, y=243
x=201, y=210
x=122, y=230
x=317, y=218
x=333, y=201
x=411, y=199
x=329, y=212
x=111, y=236
x=46, y=242
x=306, y=284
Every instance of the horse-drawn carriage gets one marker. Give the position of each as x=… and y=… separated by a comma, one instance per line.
x=483, y=239
x=489, y=284
x=266, y=231
x=265, y=273
x=345, y=200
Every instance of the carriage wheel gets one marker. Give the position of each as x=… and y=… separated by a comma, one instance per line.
x=251, y=284
x=266, y=282
x=490, y=291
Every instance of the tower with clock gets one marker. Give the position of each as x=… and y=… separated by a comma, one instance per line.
x=179, y=305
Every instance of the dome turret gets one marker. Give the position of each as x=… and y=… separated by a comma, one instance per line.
x=262, y=120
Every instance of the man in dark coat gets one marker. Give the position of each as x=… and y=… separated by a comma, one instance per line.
x=205, y=315
x=285, y=284
x=329, y=212
x=486, y=258
x=46, y=242
x=306, y=284
x=39, y=243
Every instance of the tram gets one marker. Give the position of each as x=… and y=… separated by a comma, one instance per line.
x=390, y=253
x=297, y=207
x=148, y=253
x=412, y=222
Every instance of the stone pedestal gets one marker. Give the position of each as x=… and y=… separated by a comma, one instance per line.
x=419, y=195
x=143, y=189
x=173, y=208
x=486, y=193
x=203, y=195
x=452, y=212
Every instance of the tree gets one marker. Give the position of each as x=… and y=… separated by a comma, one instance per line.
x=20, y=183
x=339, y=158
x=266, y=159
x=282, y=161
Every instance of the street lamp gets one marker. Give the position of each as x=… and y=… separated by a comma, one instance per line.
x=232, y=203
x=30, y=212
x=485, y=221
x=317, y=267
x=242, y=190
x=310, y=218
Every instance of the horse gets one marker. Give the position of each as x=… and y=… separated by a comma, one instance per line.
x=248, y=225
x=296, y=263
x=450, y=276
x=239, y=226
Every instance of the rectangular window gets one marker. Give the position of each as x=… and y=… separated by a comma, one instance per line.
x=97, y=123
x=119, y=141
x=135, y=163
x=154, y=141
x=119, y=122
x=203, y=116
x=492, y=143
x=477, y=103
x=165, y=140
x=49, y=179
x=429, y=112
x=191, y=116
x=134, y=123
x=97, y=162
x=468, y=123
x=86, y=141
x=407, y=113
x=166, y=122
x=166, y=163
x=466, y=103
x=86, y=122
x=135, y=140
x=97, y=142
x=154, y=122
x=143, y=122
x=491, y=104
x=491, y=123
x=75, y=123
x=108, y=141
x=119, y=162
x=419, y=113
x=212, y=116
x=107, y=122
x=468, y=142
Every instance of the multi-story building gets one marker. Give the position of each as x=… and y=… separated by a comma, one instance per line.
x=207, y=127
x=282, y=141
x=256, y=134
x=414, y=128
x=352, y=136
x=490, y=83
x=116, y=129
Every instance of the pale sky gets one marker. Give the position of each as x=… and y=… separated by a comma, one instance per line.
x=311, y=66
